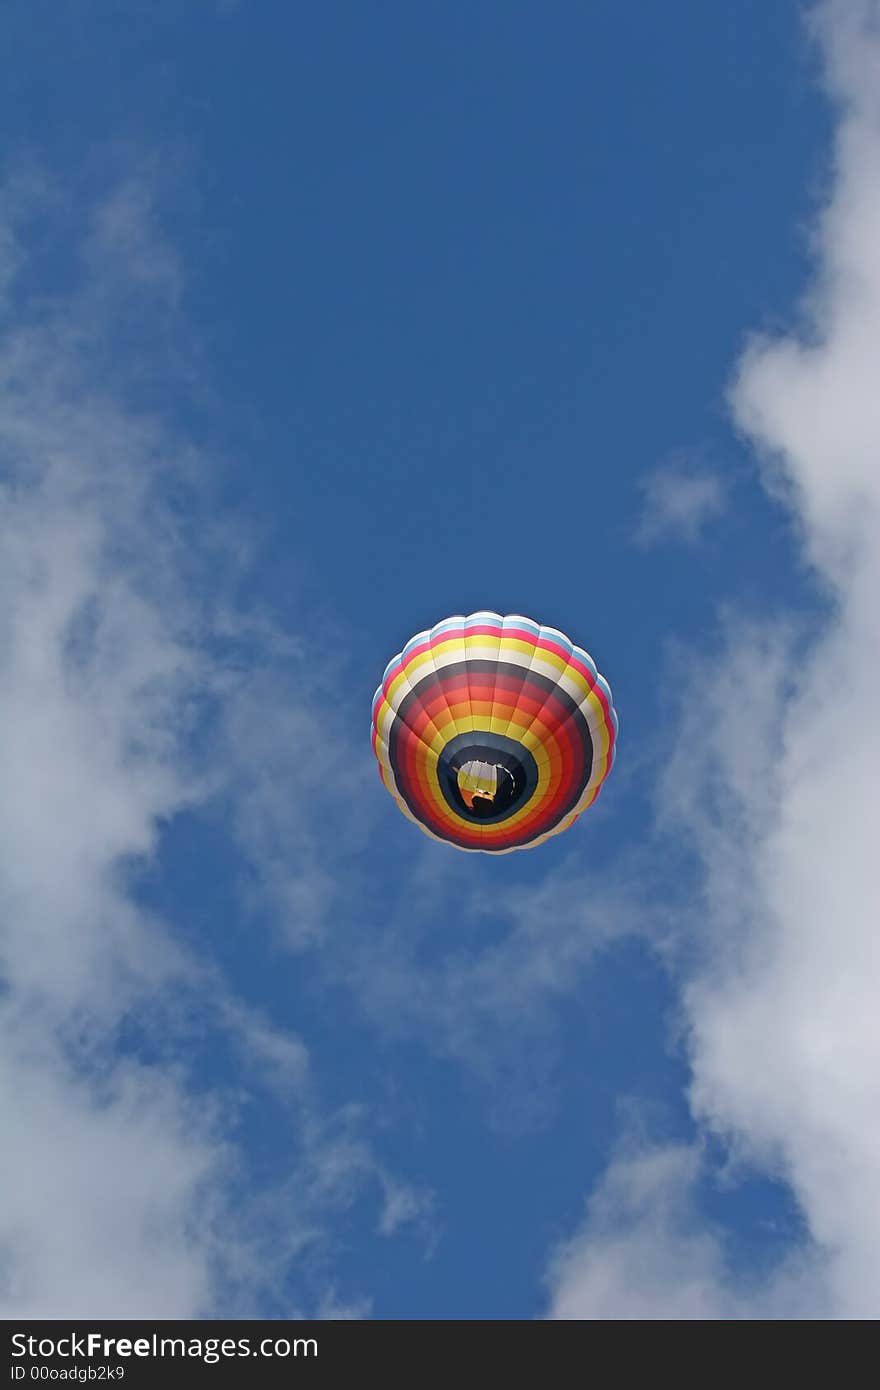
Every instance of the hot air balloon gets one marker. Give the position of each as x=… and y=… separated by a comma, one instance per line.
x=493, y=733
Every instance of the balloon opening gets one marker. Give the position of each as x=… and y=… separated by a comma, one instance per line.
x=485, y=788
x=486, y=777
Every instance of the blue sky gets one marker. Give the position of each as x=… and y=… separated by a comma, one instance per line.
x=302, y=310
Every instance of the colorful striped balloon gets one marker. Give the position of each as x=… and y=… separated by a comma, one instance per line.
x=493, y=733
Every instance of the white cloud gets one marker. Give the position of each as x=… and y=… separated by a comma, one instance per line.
x=643, y=1247
x=104, y=1203
x=122, y=1180
x=679, y=501
x=775, y=785
x=647, y=1251
x=110, y=1191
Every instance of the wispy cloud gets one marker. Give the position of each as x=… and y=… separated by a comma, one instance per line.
x=283, y=726
x=477, y=973
x=678, y=502
x=775, y=787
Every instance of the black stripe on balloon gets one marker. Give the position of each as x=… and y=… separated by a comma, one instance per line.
x=457, y=669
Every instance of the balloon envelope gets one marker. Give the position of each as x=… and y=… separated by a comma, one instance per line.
x=493, y=733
